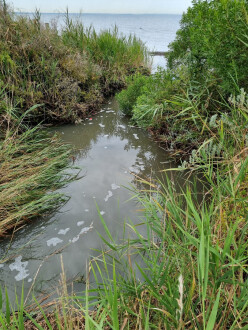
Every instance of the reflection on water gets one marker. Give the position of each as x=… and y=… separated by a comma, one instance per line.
x=108, y=149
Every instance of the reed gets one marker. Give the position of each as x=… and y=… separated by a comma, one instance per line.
x=48, y=78
x=190, y=268
x=33, y=165
x=69, y=73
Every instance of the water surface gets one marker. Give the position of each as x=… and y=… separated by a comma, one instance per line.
x=156, y=31
x=110, y=152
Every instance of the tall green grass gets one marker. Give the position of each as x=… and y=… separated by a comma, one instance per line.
x=69, y=73
x=189, y=269
x=48, y=77
x=118, y=55
x=33, y=165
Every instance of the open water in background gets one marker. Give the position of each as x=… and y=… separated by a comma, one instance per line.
x=156, y=31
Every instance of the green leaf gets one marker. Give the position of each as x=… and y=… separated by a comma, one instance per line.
x=212, y=317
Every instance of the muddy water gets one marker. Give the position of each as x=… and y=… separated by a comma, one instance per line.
x=108, y=150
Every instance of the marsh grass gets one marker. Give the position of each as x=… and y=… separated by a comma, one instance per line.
x=47, y=78
x=33, y=165
x=69, y=73
x=189, y=270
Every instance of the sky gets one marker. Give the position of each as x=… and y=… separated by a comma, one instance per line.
x=103, y=6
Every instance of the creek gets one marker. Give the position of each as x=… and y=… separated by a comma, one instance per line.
x=109, y=152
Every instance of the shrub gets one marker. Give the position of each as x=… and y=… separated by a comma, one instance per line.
x=128, y=97
x=212, y=40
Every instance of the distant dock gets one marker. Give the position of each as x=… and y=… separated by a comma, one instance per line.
x=158, y=53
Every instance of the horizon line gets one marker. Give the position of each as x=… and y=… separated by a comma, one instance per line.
x=82, y=13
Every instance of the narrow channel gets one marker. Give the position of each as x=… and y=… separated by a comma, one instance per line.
x=109, y=151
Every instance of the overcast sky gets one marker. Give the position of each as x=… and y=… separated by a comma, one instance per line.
x=103, y=6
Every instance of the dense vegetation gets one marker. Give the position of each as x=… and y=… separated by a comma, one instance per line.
x=207, y=64
x=47, y=77
x=190, y=270
x=198, y=106
x=68, y=75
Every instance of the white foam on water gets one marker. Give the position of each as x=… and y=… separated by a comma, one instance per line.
x=114, y=186
x=54, y=241
x=82, y=231
x=80, y=223
x=134, y=170
x=19, y=266
x=105, y=147
x=136, y=136
x=86, y=210
x=106, y=135
x=85, y=230
x=30, y=280
x=110, y=111
x=43, y=227
x=110, y=194
x=102, y=212
x=121, y=126
x=125, y=172
x=63, y=231
x=90, y=123
x=101, y=125
x=75, y=239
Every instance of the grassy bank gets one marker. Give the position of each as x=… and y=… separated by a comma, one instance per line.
x=47, y=77
x=68, y=73
x=190, y=269
x=205, y=82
